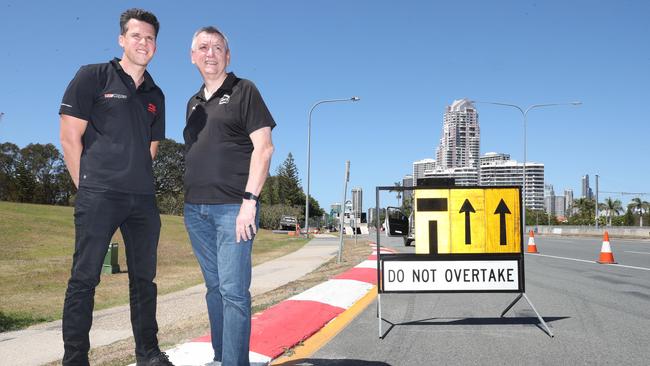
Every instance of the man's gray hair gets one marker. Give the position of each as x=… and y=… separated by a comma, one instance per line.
x=209, y=30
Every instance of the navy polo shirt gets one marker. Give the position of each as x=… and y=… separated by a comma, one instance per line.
x=218, y=147
x=122, y=122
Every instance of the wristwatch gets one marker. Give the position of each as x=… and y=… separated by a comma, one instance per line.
x=250, y=196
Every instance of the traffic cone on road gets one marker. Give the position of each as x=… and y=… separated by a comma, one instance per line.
x=606, y=255
x=532, y=248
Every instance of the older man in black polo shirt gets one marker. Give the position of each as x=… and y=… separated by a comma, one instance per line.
x=112, y=117
x=228, y=152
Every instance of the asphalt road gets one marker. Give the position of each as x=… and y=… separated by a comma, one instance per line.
x=600, y=315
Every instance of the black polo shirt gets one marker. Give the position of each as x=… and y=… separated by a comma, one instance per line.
x=218, y=147
x=122, y=122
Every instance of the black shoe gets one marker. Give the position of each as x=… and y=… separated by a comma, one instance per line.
x=161, y=360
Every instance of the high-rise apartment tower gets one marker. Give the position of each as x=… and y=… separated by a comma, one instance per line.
x=460, y=140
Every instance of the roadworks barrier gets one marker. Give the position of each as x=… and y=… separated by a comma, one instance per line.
x=606, y=255
x=532, y=248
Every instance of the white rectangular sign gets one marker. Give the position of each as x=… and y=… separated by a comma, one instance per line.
x=492, y=275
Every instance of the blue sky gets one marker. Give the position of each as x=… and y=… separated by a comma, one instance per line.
x=406, y=60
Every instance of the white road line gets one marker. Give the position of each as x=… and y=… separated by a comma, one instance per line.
x=628, y=251
x=586, y=261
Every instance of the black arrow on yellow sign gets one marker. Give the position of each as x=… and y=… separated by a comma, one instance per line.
x=502, y=210
x=467, y=209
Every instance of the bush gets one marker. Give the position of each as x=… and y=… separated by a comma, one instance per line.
x=170, y=203
x=270, y=215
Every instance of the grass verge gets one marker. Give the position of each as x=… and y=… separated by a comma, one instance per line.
x=36, y=247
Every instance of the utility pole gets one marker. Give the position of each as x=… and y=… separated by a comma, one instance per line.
x=596, y=201
x=342, y=214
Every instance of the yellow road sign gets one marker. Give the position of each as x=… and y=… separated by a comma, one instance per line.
x=431, y=221
x=467, y=220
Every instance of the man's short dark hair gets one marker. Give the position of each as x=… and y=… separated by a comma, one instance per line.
x=138, y=14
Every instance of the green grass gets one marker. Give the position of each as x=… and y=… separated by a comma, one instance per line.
x=36, y=246
x=15, y=321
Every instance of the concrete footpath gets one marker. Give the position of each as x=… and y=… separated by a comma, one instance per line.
x=313, y=316
x=42, y=343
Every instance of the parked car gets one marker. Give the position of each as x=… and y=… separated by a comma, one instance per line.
x=288, y=222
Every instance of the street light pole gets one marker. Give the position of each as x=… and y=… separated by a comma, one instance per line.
x=524, y=113
x=596, y=201
x=352, y=99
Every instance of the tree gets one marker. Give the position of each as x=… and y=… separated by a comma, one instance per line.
x=44, y=163
x=407, y=205
x=314, y=208
x=584, y=212
x=65, y=186
x=270, y=191
x=168, y=171
x=628, y=218
x=540, y=217
x=35, y=174
x=289, y=189
x=611, y=207
x=25, y=184
x=640, y=207
x=283, y=192
x=169, y=167
x=9, y=157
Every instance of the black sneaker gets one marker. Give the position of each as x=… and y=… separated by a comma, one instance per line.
x=161, y=360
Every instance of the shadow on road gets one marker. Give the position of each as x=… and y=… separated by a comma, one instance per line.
x=323, y=362
x=528, y=320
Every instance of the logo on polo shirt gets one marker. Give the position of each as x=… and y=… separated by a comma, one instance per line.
x=114, y=96
x=225, y=99
x=151, y=108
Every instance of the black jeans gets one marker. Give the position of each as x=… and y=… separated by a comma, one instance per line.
x=98, y=214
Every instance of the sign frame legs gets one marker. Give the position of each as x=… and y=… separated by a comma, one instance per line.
x=379, y=318
x=541, y=320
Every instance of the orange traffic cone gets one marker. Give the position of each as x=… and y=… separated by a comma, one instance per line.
x=606, y=255
x=532, y=248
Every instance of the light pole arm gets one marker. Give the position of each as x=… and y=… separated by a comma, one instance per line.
x=352, y=99
x=524, y=114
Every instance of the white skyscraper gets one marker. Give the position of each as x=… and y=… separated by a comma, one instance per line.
x=407, y=181
x=506, y=172
x=460, y=141
x=420, y=167
x=357, y=202
x=568, y=201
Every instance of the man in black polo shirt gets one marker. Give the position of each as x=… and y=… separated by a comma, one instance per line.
x=228, y=152
x=112, y=118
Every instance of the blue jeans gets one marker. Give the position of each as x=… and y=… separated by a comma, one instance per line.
x=226, y=267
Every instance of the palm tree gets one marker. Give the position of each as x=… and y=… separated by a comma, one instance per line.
x=611, y=207
x=640, y=207
x=583, y=212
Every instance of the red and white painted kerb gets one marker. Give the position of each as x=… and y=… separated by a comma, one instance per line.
x=286, y=324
